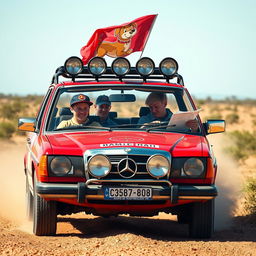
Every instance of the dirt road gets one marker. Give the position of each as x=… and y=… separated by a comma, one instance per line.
x=81, y=234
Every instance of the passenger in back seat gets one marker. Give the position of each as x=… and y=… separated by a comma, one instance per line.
x=103, y=106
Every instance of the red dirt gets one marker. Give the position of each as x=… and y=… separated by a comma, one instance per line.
x=82, y=234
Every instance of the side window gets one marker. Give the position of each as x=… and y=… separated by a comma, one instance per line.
x=187, y=101
x=172, y=103
x=41, y=110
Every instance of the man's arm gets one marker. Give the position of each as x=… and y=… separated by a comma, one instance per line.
x=143, y=120
x=63, y=124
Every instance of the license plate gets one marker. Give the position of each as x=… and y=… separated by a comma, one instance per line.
x=120, y=193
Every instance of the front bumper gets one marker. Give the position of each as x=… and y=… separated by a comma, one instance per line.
x=93, y=189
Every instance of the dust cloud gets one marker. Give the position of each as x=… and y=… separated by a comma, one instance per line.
x=229, y=183
x=12, y=182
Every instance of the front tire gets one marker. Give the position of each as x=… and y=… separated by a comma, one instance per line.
x=202, y=220
x=45, y=215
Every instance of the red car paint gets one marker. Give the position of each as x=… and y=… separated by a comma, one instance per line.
x=174, y=191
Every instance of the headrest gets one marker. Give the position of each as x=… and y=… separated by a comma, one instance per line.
x=112, y=115
x=144, y=111
x=65, y=117
x=94, y=118
x=65, y=111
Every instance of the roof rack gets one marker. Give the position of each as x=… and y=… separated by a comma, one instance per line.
x=133, y=74
x=97, y=70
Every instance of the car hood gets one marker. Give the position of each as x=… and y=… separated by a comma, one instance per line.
x=176, y=143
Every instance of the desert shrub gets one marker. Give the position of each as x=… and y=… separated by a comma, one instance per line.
x=36, y=99
x=11, y=110
x=232, y=118
x=214, y=116
x=6, y=130
x=250, y=197
x=200, y=102
x=235, y=109
x=228, y=107
x=244, y=144
x=214, y=108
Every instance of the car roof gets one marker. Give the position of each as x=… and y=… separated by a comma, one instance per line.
x=165, y=85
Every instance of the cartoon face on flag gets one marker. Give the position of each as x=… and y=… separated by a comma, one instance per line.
x=121, y=47
x=119, y=41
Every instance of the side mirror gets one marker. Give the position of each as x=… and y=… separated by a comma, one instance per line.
x=215, y=126
x=122, y=97
x=26, y=124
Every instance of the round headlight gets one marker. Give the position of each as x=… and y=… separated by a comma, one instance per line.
x=121, y=66
x=158, y=166
x=99, y=166
x=73, y=65
x=145, y=66
x=97, y=66
x=193, y=167
x=168, y=67
x=60, y=165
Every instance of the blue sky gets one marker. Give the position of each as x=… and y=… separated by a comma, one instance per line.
x=214, y=42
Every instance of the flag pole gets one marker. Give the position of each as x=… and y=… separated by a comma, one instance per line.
x=149, y=34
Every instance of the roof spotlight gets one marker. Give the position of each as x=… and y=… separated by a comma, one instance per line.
x=121, y=66
x=73, y=65
x=145, y=66
x=97, y=66
x=168, y=67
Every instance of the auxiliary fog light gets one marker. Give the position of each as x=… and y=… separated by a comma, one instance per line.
x=168, y=67
x=158, y=166
x=73, y=66
x=193, y=167
x=121, y=66
x=99, y=166
x=97, y=66
x=60, y=165
x=145, y=66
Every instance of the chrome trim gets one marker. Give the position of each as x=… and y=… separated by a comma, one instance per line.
x=57, y=196
x=195, y=197
x=215, y=126
x=32, y=154
x=95, y=181
x=100, y=197
x=52, y=99
x=108, y=162
x=122, y=151
x=127, y=167
x=157, y=177
x=27, y=124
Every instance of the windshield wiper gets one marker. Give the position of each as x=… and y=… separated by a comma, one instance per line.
x=76, y=127
x=141, y=125
x=160, y=126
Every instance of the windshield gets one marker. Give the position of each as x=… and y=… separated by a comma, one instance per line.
x=124, y=108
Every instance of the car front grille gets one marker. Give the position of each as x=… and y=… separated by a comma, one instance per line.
x=140, y=160
x=137, y=161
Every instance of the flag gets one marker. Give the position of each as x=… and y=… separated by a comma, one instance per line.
x=119, y=41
